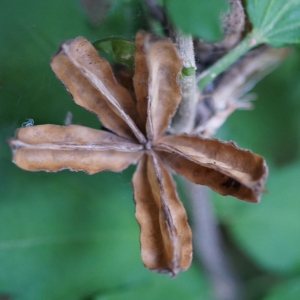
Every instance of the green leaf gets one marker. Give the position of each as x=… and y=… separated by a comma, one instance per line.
x=124, y=18
x=188, y=285
x=200, y=18
x=276, y=22
x=289, y=290
x=59, y=237
x=278, y=97
x=67, y=235
x=269, y=232
x=119, y=49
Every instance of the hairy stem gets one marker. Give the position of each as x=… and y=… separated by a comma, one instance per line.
x=184, y=118
x=208, y=246
x=207, y=237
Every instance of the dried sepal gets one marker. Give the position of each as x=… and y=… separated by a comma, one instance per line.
x=164, y=65
x=90, y=80
x=183, y=247
x=87, y=96
x=78, y=148
x=217, y=181
x=235, y=171
x=165, y=234
x=141, y=76
x=72, y=134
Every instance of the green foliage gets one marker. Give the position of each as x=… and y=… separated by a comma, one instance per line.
x=290, y=290
x=59, y=244
x=72, y=236
x=269, y=232
x=198, y=17
x=271, y=128
x=123, y=19
x=66, y=236
x=69, y=236
x=276, y=22
x=119, y=49
x=188, y=286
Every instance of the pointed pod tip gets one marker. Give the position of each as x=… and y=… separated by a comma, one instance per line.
x=63, y=45
x=172, y=272
x=12, y=143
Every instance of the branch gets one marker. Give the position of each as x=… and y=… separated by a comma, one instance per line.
x=249, y=42
x=184, y=119
x=208, y=246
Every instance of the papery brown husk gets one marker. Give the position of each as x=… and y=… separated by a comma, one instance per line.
x=165, y=234
x=223, y=166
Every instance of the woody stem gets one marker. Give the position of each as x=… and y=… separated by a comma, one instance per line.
x=208, y=245
x=250, y=41
x=205, y=229
x=184, y=119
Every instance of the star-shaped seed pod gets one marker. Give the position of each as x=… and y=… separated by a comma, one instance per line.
x=138, y=127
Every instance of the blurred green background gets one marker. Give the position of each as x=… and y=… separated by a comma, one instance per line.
x=73, y=236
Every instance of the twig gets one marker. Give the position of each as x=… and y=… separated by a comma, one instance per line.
x=249, y=42
x=207, y=241
x=230, y=89
x=184, y=119
x=233, y=24
x=208, y=247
